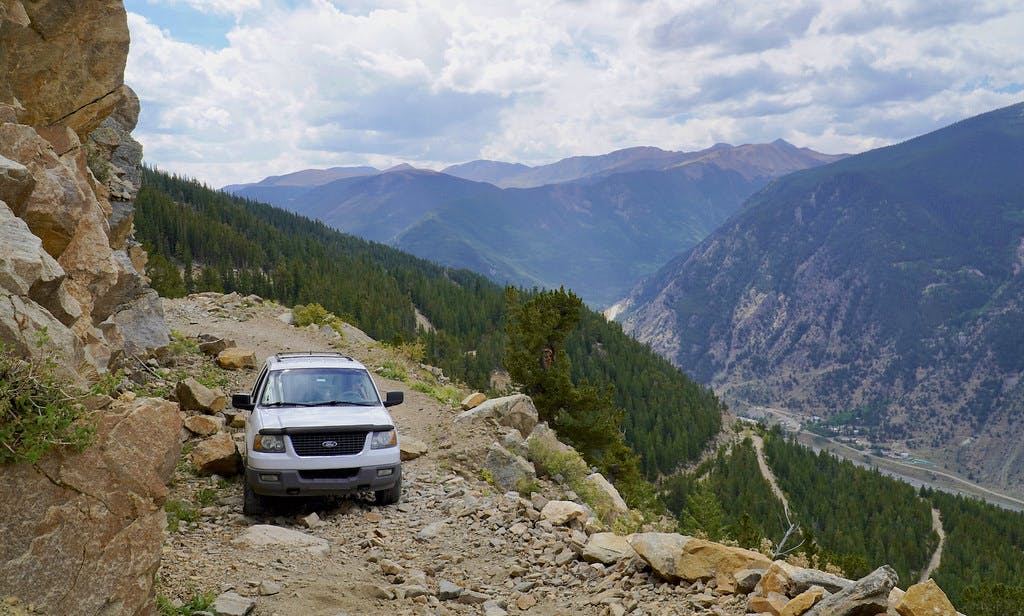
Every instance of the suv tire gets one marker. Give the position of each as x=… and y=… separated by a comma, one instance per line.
x=389, y=496
x=253, y=503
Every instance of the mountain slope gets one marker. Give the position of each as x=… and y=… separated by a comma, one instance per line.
x=610, y=221
x=888, y=284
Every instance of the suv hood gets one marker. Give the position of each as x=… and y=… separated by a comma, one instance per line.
x=324, y=416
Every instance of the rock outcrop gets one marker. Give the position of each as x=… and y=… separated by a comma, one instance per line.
x=69, y=171
x=82, y=532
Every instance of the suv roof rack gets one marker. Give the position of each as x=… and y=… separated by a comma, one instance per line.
x=306, y=354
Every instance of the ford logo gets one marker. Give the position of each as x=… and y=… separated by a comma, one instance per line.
x=329, y=444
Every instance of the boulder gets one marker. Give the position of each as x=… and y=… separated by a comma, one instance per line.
x=678, y=557
x=563, y=513
x=267, y=535
x=515, y=411
x=217, y=455
x=204, y=425
x=287, y=318
x=473, y=400
x=233, y=604
x=506, y=468
x=194, y=396
x=410, y=448
x=236, y=359
x=925, y=599
x=790, y=580
x=609, y=503
x=868, y=595
x=77, y=57
x=772, y=604
x=213, y=345
x=607, y=548
x=82, y=532
x=803, y=602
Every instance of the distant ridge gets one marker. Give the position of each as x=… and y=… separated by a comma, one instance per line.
x=596, y=224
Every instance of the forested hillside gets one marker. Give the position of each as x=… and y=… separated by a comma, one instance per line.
x=856, y=519
x=201, y=239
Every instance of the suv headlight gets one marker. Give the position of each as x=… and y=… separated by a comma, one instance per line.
x=383, y=440
x=271, y=443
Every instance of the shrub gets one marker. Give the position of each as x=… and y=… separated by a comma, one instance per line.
x=200, y=602
x=393, y=370
x=315, y=314
x=38, y=410
x=446, y=394
x=179, y=511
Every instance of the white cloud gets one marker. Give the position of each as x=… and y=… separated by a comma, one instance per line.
x=439, y=81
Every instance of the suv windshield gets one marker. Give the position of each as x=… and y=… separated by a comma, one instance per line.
x=319, y=387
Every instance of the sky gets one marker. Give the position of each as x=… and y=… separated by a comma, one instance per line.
x=233, y=91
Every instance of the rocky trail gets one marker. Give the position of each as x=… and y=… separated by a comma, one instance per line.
x=461, y=540
x=936, y=559
x=455, y=544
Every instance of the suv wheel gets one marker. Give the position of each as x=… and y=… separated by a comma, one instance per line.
x=389, y=496
x=253, y=503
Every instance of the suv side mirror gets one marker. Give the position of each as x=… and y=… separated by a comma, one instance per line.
x=394, y=397
x=242, y=401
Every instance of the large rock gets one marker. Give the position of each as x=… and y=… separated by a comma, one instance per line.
x=607, y=548
x=194, y=396
x=236, y=359
x=473, y=400
x=563, y=513
x=82, y=532
x=410, y=448
x=507, y=469
x=868, y=595
x=204, y=425
x=63, y=63
x=803, y=602
x=925, y=599
x=217, y=455
x=790, y=580
x=609, y=504
x=678, y=557
x=515, y=411
x=266, y=535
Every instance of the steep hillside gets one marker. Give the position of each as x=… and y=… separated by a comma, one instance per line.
x=596, y=224
x=884, y=289
x=226, y=243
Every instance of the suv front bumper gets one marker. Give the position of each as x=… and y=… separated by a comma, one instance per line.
x=279, y=482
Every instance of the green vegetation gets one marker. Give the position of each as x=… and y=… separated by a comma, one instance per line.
x=727, y=498
x=984, y=552
x=179, y=511
x=861, y=519
x=315, y=314
x=39, y=411
x=584, y=415
x=200, y=602
x=217, y=242
x=392, y=370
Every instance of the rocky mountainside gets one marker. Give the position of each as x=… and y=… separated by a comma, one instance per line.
x=69, y=171
x=883, y=292
x=82, y=531
x=596, y=224
x=490, y=521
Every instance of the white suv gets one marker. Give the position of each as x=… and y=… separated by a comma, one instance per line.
x=318, y=426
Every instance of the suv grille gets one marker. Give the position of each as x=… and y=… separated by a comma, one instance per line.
x=344, y=443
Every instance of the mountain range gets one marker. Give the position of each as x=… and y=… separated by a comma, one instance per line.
x=884, y=292
x=597, y=224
